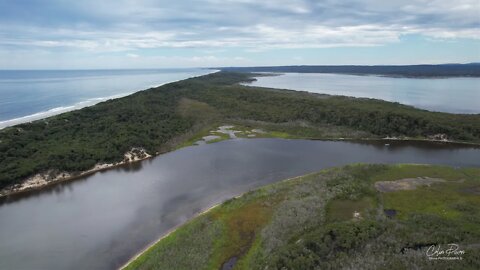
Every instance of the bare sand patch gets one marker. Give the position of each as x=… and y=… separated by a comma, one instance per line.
x=406, y=184
x=228, y=130
x=259, y=131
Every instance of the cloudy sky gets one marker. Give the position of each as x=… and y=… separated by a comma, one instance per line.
x=63, y=34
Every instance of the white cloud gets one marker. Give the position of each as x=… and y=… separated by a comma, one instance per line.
x=128, y=25
x=44, y=59
x=213, y=26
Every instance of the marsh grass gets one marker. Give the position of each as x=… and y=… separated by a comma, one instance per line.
x=343, y=210
x=306, y=223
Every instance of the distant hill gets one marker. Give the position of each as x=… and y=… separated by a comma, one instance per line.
x=444, y=70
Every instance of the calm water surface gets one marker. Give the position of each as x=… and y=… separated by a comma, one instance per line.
x=454, y=95
x=100, y=221
x=27, y=95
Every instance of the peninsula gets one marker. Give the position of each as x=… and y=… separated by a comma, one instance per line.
x=161, y=119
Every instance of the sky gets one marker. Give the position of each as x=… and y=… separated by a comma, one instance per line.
x=87, y=34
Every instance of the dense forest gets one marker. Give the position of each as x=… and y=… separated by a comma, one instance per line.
x=152, y=119
x=445, y=70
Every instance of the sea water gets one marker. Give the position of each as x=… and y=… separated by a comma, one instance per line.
x=27, y=95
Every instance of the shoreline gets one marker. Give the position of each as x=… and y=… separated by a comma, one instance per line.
x=394, y=139
x=355, y=218
x=66, y=176
x=198, y=214
x=80, y=105
x=6, y=193
x=172, y=230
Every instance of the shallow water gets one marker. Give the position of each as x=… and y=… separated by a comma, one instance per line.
x=454, y=95
x=100, y=221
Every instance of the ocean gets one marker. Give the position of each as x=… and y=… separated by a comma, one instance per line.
x=27, y=95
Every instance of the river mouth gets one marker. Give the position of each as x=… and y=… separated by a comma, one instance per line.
x=102, y=220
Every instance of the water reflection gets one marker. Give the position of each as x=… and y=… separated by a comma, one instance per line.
x=100, y=221
x=132, y=167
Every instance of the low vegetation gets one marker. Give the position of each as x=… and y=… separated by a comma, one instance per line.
x=334, y=219
x=164, y=118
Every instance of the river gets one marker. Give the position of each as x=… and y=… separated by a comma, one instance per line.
x=100, y=221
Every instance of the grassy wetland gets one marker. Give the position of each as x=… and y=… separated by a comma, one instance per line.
x=336, y=218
